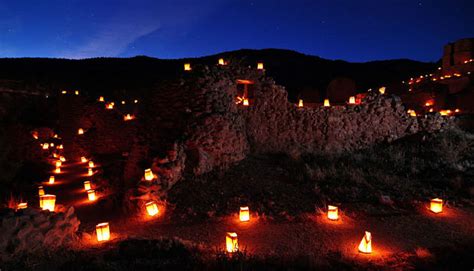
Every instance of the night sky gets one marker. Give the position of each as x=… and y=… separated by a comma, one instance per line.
x=349, y=30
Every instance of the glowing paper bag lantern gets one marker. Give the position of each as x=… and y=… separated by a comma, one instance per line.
x=149, y=175
x=57, y=170
x=231, y=242
x=333, y=212
x=260, y=66
x=80, y=131
x=246, y=102
x=101, y=99
x=51, y=179
x=45, y=146
x=91, y=164
x=352, y=100
x=382, y=90
x=90, y=172
x=128, y=117
x=62, y=159
x=326, y=103
x=221, y=62
x=244, y=214
x=103, y=231
x=436, y=205
x=61, y=147
x=40, y=191
x=151, y=208
x=47, y=202
x=300, y=103
x=365, y=245
x=91, y=194
x=87, y=185
x=76, y=92
x=187, y=66
x=22, y=205
x=83, y=159
x=58, y=163
x=110, y=105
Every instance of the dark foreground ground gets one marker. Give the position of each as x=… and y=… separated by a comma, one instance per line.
x=384, y=189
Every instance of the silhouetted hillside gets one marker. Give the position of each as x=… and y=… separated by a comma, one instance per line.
x=296, y=71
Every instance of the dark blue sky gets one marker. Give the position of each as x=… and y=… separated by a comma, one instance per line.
x=350, y=30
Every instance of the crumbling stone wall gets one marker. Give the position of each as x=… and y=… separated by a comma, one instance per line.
x=226, y=132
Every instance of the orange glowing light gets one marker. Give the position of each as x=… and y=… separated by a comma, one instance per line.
x=135, y=101
x=22, y=205
x=245, y=102
x=83, y=159
x=187, y=66
x=300, y=103
x=51, y=179
x=47, y=202
x=231, y=242
x=103, y=232
x=128, y=117
x=64, y=92
x=123, y=102
x=244, y=214
x=149, y=174
x=51, y=144
x=352, y=100
x=260, y=66
x=152, y=208
x=221, y=62
x=91, y=194
x=333, y=212
x=110, y=105
x=35, y=134
x=457, y=110
x=62, y=159
x=76, y=92
x=90, y=172
x=445, y=112
x=91, y=164
x=436, y=205
x=57, y=170
x=61, y=147
x=87, y=185
x=411, y=112
x=326, y=103
x=101, y=99
x=58, y=163
x=40, y=191
x=80, y=131
x=382, y=90
x=365, y=245
x=45, y=146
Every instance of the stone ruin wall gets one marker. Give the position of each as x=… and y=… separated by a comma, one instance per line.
x=271, y=124
x=213, y=132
